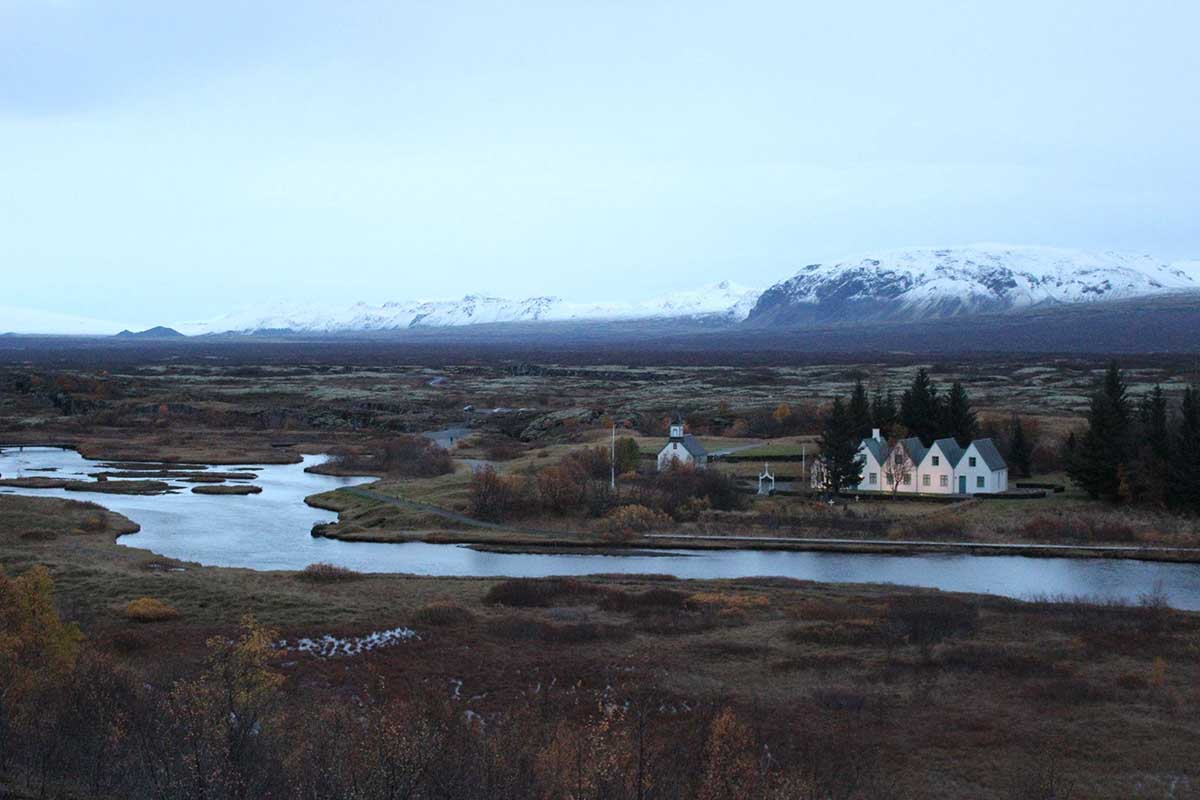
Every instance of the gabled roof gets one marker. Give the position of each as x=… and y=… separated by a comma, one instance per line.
x=693, y=446
x=916, y=451
x=950, y=449
x=990, y=455
x=877, y=448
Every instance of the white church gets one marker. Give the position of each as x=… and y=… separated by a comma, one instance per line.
x=682, y=449
x=942, y=468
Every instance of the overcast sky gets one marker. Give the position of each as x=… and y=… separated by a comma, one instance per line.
x=162, y=161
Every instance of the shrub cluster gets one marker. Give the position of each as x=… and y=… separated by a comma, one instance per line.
x=403, y=456
x=321, y=572
x=150, y=609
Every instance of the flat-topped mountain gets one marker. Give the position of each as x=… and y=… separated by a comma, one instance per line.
x=157, y=332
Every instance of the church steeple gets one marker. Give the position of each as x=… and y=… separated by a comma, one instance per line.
x=677, y=427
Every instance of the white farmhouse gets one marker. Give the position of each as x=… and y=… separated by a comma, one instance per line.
x=981, y=469
x=682, y=449
x=942, y=468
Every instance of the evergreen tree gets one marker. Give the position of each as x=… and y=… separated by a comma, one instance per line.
x=1155, y=430
x=839, y=449
x=958, y=418
x=1146, y=477
x=883, y=411
x=920, y=408
x=1019, y=454
x=1099, y=462
x=1183, y=491
x=859, y=409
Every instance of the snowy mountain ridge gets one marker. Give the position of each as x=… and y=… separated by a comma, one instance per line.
x=724, y=301
x=931, y=283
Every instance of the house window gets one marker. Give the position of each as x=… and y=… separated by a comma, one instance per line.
x=908, y=480
x=972, y=460
x=937, y=461
x=899, y=459
x=873, y=478
x=924, y=480
x=979, y=482
x=945, y=481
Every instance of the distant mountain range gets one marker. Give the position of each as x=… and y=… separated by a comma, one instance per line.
x=913, y=285
x=925, y=284
x=723, y=302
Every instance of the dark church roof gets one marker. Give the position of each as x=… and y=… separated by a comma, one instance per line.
x=693, y=446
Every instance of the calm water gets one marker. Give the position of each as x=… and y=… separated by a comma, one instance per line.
x=271, y=531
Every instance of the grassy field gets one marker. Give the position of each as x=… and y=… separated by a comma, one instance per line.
x=1107, y=697
x=1009, y=696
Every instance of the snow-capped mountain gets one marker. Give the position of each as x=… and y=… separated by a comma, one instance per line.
x=933, y=283
x=724, y=301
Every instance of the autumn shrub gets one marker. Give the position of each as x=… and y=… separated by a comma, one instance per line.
x=93, y=522
x=728, y=601
x=1079, y=527
x=625, y=522
x=543, y=592
x=642, y=602
x=498, y=447
x=846, y=633
x=443, y=613
x=677, y=622
x=927, y=620
x=404, y=456
x=321, y=572
x=38, y=535
x=1004, y=659
x=150, y=609
x=561, y=488
x=494, y=498
x=523, y=628
x=1068, y=690
x=685, y=492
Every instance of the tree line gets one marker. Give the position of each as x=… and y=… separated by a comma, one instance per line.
x=923, y=410
x=1140, y=450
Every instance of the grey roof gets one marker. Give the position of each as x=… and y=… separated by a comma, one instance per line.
x=950, y=448
x=878, y=448
x=990, y=455
x=916, y=451
x=693, y=446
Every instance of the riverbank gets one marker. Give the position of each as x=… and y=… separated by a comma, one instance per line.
x=425, y=522
x=1023, y=682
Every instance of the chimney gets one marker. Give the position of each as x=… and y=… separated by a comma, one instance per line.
x=875, y=434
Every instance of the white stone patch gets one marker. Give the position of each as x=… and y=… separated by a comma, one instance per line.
x=329, y=646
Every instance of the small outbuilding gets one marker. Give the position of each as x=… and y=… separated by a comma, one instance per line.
x=682, y=449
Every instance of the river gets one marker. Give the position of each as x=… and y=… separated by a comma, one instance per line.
x=270, y=531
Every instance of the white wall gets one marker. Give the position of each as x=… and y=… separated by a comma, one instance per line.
x=870, y=465
x=935, y=474
x=674, y=451
x=974, y=473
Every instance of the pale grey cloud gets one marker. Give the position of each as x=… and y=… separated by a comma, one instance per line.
x=161, y=157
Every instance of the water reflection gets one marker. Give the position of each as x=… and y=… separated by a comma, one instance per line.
x=271, y=531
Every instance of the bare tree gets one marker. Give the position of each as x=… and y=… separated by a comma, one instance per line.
x=899, y=468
